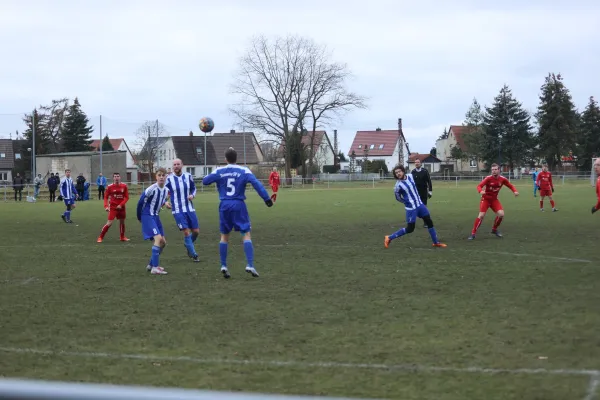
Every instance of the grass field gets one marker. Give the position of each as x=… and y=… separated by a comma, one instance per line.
x=333, y=313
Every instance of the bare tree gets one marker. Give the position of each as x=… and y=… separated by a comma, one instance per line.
x=288, y=81
x=53, y=121
x=149, y=138
x=270, y=150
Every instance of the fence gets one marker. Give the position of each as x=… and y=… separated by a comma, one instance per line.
x=322, y=181
x=14, y=389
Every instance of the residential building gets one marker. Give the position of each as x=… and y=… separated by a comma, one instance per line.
x=379, y=145
x=444, y=145
x=430, y=162
x=120, y=144
x=7, y=161
x=322, y=149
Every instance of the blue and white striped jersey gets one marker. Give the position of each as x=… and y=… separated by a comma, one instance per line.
x=180, y=187
x=151, y=200
x=67, y=188
x=406, y=192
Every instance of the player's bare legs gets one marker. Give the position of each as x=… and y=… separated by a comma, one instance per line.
x=157, y=248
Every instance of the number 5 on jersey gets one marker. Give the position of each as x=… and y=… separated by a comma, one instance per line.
x=230, y=187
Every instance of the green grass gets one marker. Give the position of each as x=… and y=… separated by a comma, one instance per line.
x=328, y=292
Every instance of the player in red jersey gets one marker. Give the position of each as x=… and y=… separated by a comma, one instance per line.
x=489, y=199
x=115, y=198
x=597, y=170
x=274, y=182
x=546, y=187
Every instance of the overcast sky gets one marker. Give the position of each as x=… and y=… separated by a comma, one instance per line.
x=423, y=61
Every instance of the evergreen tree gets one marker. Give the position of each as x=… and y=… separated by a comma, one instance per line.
x=42, y=139
x=557, y=119
x=588, y=145
x=76, y=135
x=506, y=137
x=433, y=151
x=106, y=144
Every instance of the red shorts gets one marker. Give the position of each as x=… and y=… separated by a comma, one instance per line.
x=275, y=188
x=545, y=192
x=494, y=204
x=116, y=214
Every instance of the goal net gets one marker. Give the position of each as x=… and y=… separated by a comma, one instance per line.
x=594, y=176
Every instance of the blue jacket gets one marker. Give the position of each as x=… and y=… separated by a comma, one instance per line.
x=101, y=181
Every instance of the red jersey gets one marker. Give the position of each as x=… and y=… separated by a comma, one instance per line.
x=116, y=195
x=544, y=181
x=493, y=184
x=598, y=193
x=274, y=179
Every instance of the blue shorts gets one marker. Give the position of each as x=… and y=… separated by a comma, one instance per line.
x=419, y=212
x=186, y=220
x=69, y=201
x=151, y=226
x=233, y=215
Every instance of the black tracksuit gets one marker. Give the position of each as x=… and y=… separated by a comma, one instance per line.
x=423, y=183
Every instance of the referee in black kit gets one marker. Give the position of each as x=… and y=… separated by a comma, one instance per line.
x=422, y=181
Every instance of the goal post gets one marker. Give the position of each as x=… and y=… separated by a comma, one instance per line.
x=593, y=176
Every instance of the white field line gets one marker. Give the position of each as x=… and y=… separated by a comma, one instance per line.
x=594, y=374
x=334, y=246
x=592, y=387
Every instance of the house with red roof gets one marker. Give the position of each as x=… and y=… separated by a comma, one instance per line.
x=378, y=145
x=455, y=138
x=119, y=144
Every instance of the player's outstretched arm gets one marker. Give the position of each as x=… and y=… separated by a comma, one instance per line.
x=260, y=189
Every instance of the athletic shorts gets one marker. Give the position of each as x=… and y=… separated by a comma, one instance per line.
x=494, y=204
x=69, y=201
x=116, y=214
x=233, y=215
x=419, y=212
x=545, y=192
x=186, y=220
x=151, y=226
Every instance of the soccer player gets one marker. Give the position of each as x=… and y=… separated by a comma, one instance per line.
x=489, y=199
x=423, y=182
x=597, y=170
x=231, y=183
x=69, y=195
x=544, y=183
x=115, y=197
x=182, y=191
x=406, y=193
x=274, y=182
x=148, y=207
x=534, y=175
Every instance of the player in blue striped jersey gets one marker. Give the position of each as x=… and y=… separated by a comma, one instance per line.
x=406, y=193
x=69, y=195
x=231, y=183
x=182, y=191
x=148, y=207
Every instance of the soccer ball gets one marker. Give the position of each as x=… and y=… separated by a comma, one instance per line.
x=206, y=124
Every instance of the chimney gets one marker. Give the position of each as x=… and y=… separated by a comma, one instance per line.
x=191, y=133
x=232, y=131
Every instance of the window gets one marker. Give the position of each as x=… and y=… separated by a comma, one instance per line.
x=473, y=163
x=199, y=150
x=2, y=155
x=3, y=176
x=371, y=147
x=360, y=146
x=17, y=156
x=191, y=170
x=207, y=170
x=380, y=147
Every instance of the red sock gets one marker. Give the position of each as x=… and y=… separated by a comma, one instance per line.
x=476, y=225
x=122, y=229
x=497, y=223
x=104, y=230
x=552, y=203
x=541, y=203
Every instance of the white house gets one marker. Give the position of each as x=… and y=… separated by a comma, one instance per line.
x=444, y=145
x=430, y=162
x=119, y=144
x=378, y=145
x=322, y=149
